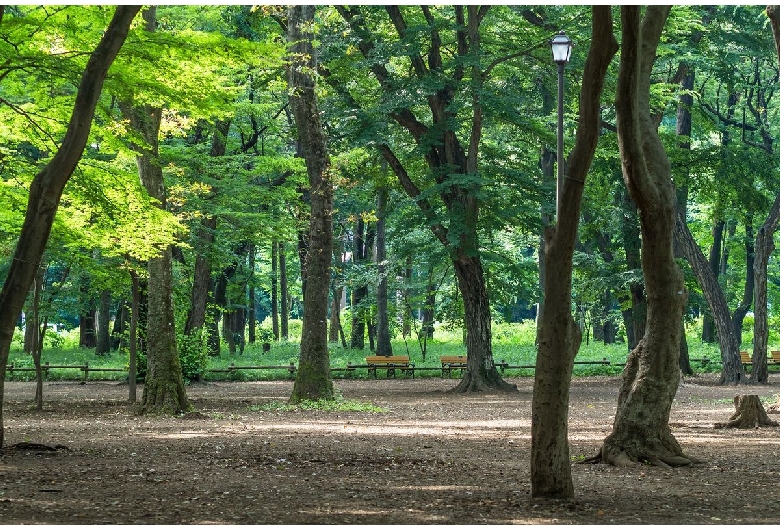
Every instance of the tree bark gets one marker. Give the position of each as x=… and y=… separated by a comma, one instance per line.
x=47, y=186
x=275, y=289
x=383, y=346
x=284, y=293
x=164, y=390
x=312, y=381
x=708, y=324
x=641, y=429
x=764, y=248
x=359, y=292
x=103, y=343
x=731, y=372
x=559, y=336
x=749, y=414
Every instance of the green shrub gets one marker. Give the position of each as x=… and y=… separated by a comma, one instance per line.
x=193, y=354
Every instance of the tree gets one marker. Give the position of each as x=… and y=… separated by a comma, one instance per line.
x=164, y=385
x=641, y=429
x=312, y=380
x=383, y=346
x=47, y=187
x=449, y=79
x=559, y=335
x=764, y=247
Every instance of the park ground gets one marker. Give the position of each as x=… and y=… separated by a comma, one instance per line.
x=428, y=457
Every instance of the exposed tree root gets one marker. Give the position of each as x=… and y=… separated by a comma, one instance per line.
x=633, y=452
x=749, y=414
x=491, y=382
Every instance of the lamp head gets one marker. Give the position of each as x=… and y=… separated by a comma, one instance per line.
x=561, y=46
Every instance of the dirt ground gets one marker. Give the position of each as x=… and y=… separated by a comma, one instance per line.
x=431, y=458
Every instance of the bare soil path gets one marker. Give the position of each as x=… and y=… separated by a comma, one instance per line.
x=431, y=458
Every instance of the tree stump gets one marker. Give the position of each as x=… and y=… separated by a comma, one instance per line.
x=749, y=414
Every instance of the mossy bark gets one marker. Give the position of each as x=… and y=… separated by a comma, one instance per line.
x=312, y=381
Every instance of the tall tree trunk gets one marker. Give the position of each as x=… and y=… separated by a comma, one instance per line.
x=708, y=324
x=251, y=321
x=683, y=131
x=275, y=289
x=312, y=380
x=47, y=186
x=284, y=292
x=204, y=240
x=164, y=385
x=103, y=343
x=738, y=317
x=383, y=346
x=641, y=429
x=729, y=346
x=360, y=292
x=558, y=334
x=765, y=245
x=201, y=277
x=39, y=328
x=337, y=291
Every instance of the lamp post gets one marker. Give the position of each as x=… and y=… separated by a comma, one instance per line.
x=561, y=49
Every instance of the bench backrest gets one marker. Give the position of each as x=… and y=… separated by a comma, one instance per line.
x=393, y=359
x=744, y=357
x=775, y=356
x=449, y=359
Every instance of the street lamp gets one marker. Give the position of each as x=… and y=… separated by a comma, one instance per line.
x=561, y=49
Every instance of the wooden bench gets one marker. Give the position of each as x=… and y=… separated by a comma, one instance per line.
x=391, y=363
x=452, y=362
x=745, y=359
x=775, y=357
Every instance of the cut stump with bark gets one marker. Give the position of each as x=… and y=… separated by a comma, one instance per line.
x=749, y=414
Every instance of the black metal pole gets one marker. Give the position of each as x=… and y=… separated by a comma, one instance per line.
x=559, y=156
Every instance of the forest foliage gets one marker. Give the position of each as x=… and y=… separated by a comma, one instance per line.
x=219, y=74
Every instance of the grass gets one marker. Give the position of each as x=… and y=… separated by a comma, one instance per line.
x=336, y=405
x=512, y=343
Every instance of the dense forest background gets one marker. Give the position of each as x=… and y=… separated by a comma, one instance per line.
x=236, y=198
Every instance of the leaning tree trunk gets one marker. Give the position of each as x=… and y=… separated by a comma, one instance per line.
x=47, y=186
x=732, y=372
x=312, y=381
x=558, y=334
x=641, y=429
x=164, y=385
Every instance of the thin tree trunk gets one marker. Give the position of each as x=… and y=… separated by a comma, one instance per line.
x=559, y=336
x=383, y=346
x=742, y=309
x=312, y=380
x=732, y=372
x=765, y=245
x=103, y=343
x=708, y=324
x=284, y=293
x=134, y=310
x=275, y=289
x=47, y=186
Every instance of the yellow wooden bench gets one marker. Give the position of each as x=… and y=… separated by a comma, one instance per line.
x=391, y=363
x=452, y=362
x=775, y=357
x=746, y=360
